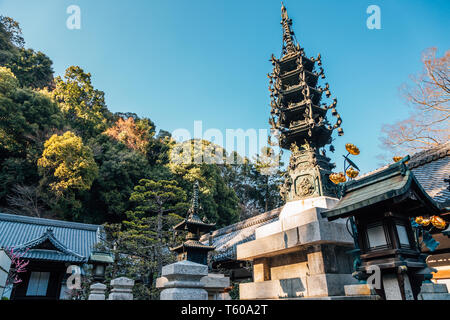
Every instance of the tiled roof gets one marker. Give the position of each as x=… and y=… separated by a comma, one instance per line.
x=430, y=167
x=381, y=188
x=192, y=244
x=226, y=239
x=69, y=241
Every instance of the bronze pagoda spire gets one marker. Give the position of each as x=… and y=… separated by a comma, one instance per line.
x=299, y=117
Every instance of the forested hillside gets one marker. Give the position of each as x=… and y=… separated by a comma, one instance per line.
x=65, y=155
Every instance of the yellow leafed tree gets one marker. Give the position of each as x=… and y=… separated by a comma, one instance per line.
x=67, y=163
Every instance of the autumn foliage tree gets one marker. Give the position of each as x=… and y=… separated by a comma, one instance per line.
x=429, y=97
x=134, y=134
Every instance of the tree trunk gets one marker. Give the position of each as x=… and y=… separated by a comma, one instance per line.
x=267, y=193
x=159, y=236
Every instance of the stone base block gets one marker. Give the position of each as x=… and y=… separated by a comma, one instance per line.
x=184, y=270
x=316, y=232
x=328, y=284
x=294, y=207
x=392, y=288
x=273, y=289
x=184, y=294
x=298, y=213
x=359, y=290
x=311, y=286
x=213, y=283
x=433, y=291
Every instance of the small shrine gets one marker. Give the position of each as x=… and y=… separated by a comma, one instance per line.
x=192, y=249
x=188, y=279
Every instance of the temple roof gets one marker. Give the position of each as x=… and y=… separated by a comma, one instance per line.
x=430, y=167
x=49, y=240
x=226, y=239
x=195, y=221
x=192, y=244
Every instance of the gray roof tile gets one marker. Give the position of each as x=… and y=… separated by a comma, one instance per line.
x=74, y=241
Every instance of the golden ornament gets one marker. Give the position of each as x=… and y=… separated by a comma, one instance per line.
x=352, y=172
x=438, y=222
x=352, y=149
x=337, y=178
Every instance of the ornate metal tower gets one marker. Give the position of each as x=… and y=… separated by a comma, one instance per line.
x=299, y=118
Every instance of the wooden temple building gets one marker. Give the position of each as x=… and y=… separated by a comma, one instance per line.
x=50, y=246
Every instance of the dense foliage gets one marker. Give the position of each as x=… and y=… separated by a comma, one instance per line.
x=64, y=155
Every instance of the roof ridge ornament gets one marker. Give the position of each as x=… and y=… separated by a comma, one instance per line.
x=50, y=236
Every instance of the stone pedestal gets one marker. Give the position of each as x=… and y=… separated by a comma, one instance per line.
x=392, y=289
x=214, y=284
x=97, y=291
x=300, y=255
x=122, y=289
x=183, y=281
x=361, y=290
x=5, y=264
x=433, y=291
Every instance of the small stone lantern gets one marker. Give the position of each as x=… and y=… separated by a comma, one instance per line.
x=99, y=260
x=192, y=249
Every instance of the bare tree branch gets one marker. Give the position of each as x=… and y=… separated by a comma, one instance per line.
x=429, y=97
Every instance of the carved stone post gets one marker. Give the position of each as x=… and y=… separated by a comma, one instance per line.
x=122, y=289
x=97, y=291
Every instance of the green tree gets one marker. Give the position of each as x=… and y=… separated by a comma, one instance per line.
x=268, y=177
x=11, y=39
x=83, y=106
x=200, y=160
x=120, y=169
x=158, y=204
x=27, y=119
x=33, y=69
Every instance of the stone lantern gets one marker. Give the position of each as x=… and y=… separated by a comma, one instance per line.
x=99, y=261
x=192, y=249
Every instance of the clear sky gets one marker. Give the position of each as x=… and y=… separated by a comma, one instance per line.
x=177, y=61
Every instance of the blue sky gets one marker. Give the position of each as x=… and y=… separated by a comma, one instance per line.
x=177, y=61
